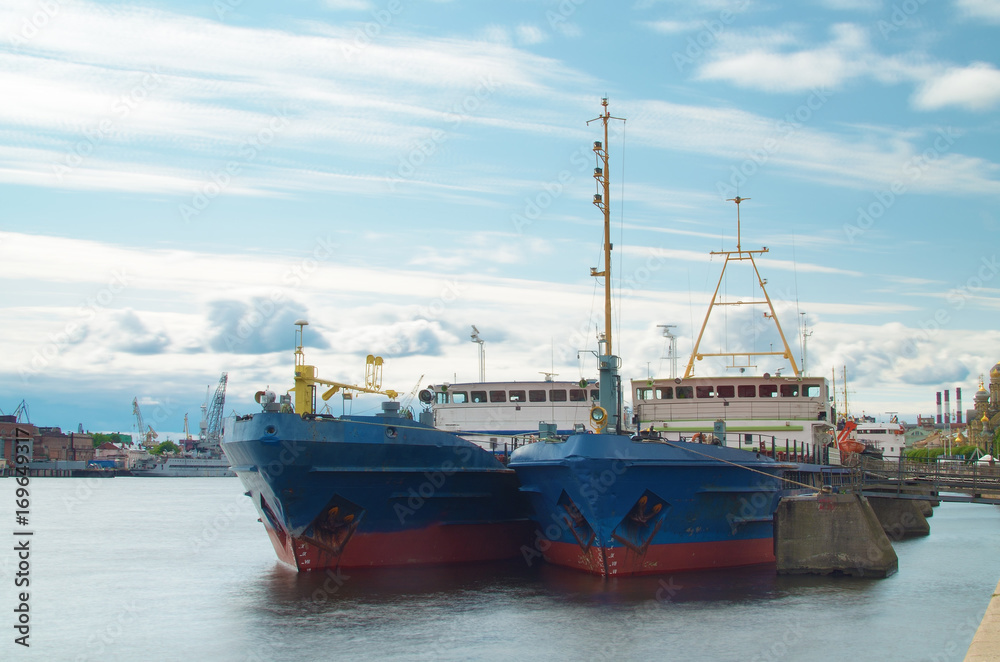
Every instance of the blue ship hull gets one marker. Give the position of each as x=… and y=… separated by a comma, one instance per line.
x=363, y=491
x=613, y=506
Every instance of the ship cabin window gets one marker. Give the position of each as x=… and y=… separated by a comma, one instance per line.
x=726, y=391
x=557, y=395
x=458, y=397
x=810, y=390
x=479, y=396
x=498, y=396
x=441, y=397
x=665, y=393
x=685, y=392
x=595, y=394
x=577, y=395
x=644, y=393
x=789, y=390
x=536, y=396
x=517, y=396
x=705, y=391
x=768, y=390
x=746, y=391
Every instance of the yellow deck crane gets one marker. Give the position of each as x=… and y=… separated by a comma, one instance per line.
x=306, y=381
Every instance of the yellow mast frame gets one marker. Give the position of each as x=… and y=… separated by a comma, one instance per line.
x=306, y=379
x=739, y=255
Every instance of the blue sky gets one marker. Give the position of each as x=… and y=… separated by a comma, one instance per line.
x=181, y=181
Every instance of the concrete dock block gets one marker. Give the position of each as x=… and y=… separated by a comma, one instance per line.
x=901, y=518
x=913, y=489
x=831, y=533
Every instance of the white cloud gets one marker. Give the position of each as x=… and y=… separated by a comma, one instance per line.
x=980, y=9
x=348, y=5
x=696, y=5
x=853, y=5
x=168, y=88
x=861, y=160
x=777, y=60
x=497, y=34
x=975, y=87
x=531, y=35
x=760, y=67
x=673, y=27
x=891, y=355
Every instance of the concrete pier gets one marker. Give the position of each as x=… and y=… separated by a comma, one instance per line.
x=901, y=518
x=911, y=488
x=985, y=645
x=831, y=533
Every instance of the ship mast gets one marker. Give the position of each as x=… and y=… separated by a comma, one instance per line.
x=602, y=201
x=739, y=255
x=606, y=416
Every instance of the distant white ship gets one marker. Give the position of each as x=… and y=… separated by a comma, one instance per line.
x=183, y=467
x=885, y=438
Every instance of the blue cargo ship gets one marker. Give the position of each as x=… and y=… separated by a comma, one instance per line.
x=618, y=504
x=368, y=491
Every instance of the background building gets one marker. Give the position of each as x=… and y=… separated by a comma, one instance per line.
x=8, y=427
x=984, y=418
x=54, y=444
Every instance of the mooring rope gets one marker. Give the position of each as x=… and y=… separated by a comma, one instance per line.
x=736, y=464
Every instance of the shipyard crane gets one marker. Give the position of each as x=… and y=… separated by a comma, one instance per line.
x=211, y=417
x=20, y=411
x=412, y=394
x=188, y=441
x=147, y=435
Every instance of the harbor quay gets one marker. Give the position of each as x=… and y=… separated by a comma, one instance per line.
x=986, y=642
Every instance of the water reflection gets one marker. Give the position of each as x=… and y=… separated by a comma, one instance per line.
x=283, y=588
x=512, y=611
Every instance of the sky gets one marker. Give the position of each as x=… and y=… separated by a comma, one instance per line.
x=181, y=181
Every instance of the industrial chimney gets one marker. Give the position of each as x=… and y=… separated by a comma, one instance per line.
x=958, y=405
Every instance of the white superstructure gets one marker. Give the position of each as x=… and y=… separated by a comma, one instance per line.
x=886, y=437
x=787, y=411
x=491, y=413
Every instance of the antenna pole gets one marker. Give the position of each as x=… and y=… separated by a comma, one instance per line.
x=672, y=351
x=738, y=200
x=602, y=201
x=482, y=353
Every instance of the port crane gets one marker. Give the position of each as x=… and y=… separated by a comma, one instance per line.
x=147, y=435
x=413, y=393
x=20, y=413
x=210, y=432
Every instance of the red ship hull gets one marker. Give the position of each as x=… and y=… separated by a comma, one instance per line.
x=659, y=559
x=436, y=544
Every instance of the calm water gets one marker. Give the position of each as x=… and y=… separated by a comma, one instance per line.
x=180, y=569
